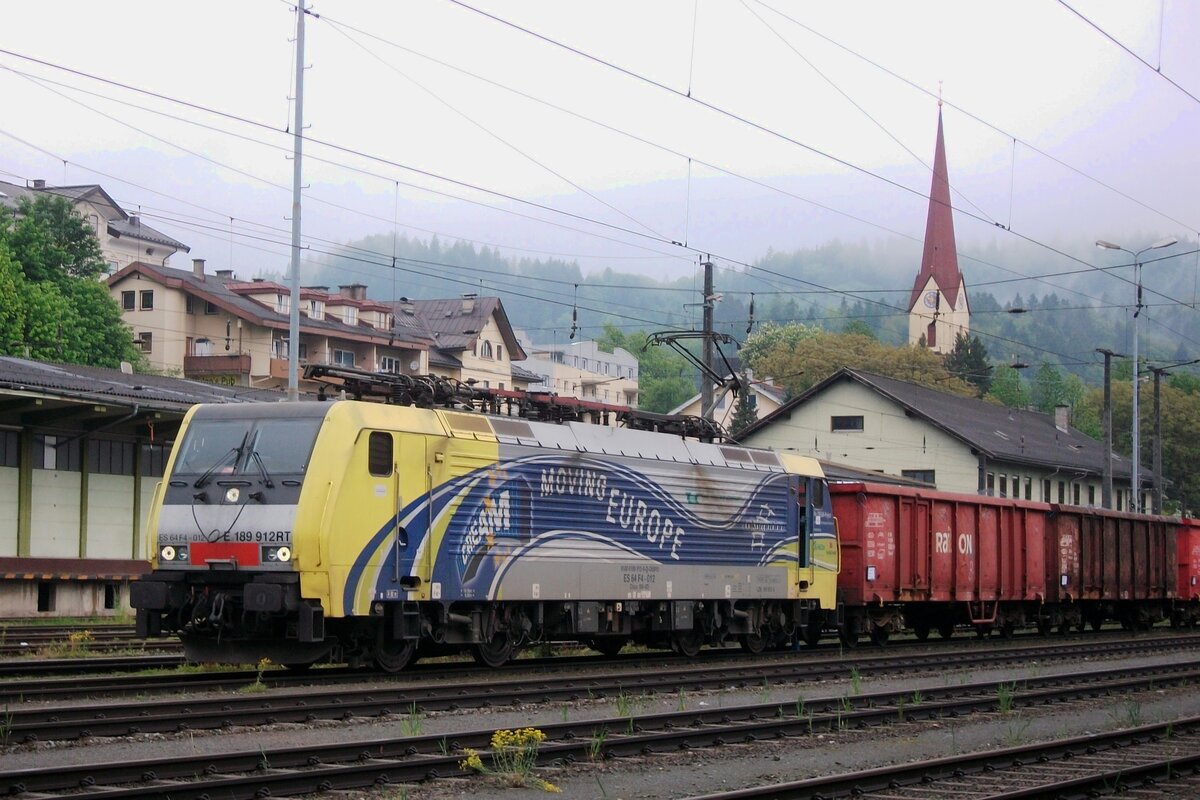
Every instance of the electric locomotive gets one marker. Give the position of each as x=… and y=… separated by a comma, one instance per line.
x=364, y=532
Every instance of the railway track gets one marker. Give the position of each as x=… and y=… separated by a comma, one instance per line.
x=81, y=639
x=32, y=723
x=1160, y=758
x=355, y=763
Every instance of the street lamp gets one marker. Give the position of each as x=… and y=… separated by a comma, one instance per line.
x=1134, y=478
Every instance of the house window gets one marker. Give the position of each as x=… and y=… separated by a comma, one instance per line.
x=1062, y=491
x=147, y=299
x=314, y=309
x=389, y=364
x=1028, y=488
x=189, y=304
x=1046, y=496
x=283, y=303
x=127, y=301
x=210, y=308
x=923, y=475
x=991, y=484
x=486, y=350
x=344, y=358
x=145, y=341
x=846, y=423
x=1004, y=486
x=351, y=315
x=1091, y=495
x=1075, y=494
x=499, y=352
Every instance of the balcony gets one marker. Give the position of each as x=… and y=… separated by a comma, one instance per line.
x=208, y=367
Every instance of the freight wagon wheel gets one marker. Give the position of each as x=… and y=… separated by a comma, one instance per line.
x=753, y=643
x=299, y=666
x=921, y=631
x=946, y=630
x=1043, y=626
x=686, y=643
x=393, y=656
x=880, y=636
x=812, y=634
x=848, y=637
x=495, y=653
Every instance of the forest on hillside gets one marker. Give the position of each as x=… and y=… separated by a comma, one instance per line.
x=1059, y=320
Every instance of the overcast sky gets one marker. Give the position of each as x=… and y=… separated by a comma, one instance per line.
x=808, y=109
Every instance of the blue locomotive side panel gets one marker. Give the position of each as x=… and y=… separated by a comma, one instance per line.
x=540, y=525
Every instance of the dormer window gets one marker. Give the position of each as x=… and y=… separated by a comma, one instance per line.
x=350, y=315
x=283, y=303
x=316, y=309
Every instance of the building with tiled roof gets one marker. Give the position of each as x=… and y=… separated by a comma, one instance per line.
x=959, y=444
x=124, y=238
x=471, y=339
x=216, y=328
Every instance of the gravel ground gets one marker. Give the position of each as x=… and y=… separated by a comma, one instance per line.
x=692, y=772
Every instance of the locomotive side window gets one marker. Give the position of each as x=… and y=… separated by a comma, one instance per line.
x=379, y=454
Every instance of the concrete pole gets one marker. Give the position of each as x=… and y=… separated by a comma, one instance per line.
x=293, y=391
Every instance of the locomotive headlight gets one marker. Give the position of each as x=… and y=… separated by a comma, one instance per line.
x=176, y=554
x=277, y=554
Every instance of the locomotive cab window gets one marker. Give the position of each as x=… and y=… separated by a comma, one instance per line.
x=379, y=454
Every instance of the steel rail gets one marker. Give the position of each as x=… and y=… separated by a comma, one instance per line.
x=357, y=763
x=119, y=719
x=1095, y=763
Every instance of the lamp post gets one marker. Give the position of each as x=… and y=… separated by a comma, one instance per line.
x=1135, y=478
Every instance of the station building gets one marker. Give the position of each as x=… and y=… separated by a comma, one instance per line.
x=81, y=450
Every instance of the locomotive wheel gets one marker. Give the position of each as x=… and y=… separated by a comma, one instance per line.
x=946, y=630
x=753, y=643
x=608, y=645
x=812, y=634
x=880, y=636
x=686, y=643
x=299, y=666
x=921, y=631
x=495, y=653
x=393, y=656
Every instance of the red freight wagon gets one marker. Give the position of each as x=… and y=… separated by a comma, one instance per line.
x=1187, y=609
x=931, y=560
x=1108, y=565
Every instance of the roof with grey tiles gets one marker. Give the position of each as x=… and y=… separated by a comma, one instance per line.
x=997, y=432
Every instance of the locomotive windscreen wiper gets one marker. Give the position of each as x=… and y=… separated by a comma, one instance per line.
x=270, y=484
x=236, y=452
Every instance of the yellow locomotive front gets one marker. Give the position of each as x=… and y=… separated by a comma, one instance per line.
x=224, y=537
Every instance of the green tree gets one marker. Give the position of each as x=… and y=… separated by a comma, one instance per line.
x=797, y=364
x=744, y=412
x=860, y=327
x=664, y=376
x=55, y=306
x=969, y=361
x=1008, y=387
x=1049, y=388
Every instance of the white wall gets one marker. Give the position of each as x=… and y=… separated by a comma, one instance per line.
x=8, y=510
x=110, y=516
x=55, y=521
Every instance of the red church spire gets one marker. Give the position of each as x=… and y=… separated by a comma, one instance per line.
x=940, y=258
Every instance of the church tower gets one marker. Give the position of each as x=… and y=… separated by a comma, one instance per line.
x=938, y=308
